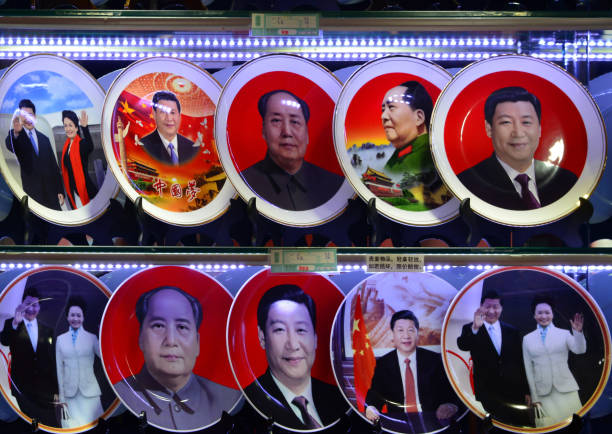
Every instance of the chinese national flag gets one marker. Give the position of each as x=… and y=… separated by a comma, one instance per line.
x=363, y=356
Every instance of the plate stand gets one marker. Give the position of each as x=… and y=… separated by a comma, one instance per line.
x=570, y=231
x=217, y=232
x=452, y=232
x=347, y=229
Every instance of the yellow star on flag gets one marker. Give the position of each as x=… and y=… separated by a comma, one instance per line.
x=125, y=108
x=356, y=325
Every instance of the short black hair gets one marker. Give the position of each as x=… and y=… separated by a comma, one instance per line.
x=78, y=301
x=72, y=116
x=417, y=98
x=538, y=299
x=166, y=95
x=142, y=305
x=510, y=94
x=26, y=103
x=404, y=314
x=491, y=294
x=284, y=292
x=30, y=291
x=262, y=104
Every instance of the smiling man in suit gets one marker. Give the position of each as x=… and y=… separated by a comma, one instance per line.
x=500, y=383
x=165, y=144
x=511, y=178
x=40, y=174
x=286, y=392
x=33, y=376
x=410, y=381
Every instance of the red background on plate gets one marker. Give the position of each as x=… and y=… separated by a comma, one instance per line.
x=244, y=122
x=248, y=358
x=466, y=142
x=363, y=118
x=120, y=351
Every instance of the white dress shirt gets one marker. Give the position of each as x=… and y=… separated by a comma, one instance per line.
x=307, y=393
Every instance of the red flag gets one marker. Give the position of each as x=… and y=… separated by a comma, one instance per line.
x=363, y=356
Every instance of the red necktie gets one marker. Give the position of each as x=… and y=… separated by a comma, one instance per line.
x=301, y=403
x=528, y=198
x=410, y=393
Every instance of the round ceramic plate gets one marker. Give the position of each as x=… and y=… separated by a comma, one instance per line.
x=528, y=381
x=567, y=146
x=290, y=351
x=366, y=351
x=191, y=189
x=44, y=172
x=388, y=156
x=63, y=386
x=296, y=135
x=169, y=367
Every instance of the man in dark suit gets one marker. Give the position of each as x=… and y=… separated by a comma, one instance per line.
x=410, y=381
x=286, y=318
x=165, y=144
x=511, y=178
x=284, y=178
x=495, y=347
x=33, y=376
x=40, y=175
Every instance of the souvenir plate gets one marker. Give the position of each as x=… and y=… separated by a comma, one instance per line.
x=366, y=352
x=288, y=351
x=286, y=159
x=526, y=379
x=65, y=176
x=567, y=143
x=387, y=156
x=171, y=99
x=63, y=386
x=162, y=349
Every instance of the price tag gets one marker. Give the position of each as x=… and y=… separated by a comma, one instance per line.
x=284, y=24
x=395, y=263
x=303, y=260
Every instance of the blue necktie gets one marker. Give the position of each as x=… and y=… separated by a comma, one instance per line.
x=33, y=141
x=74, y=336
x=543, y=332
x=173, y=155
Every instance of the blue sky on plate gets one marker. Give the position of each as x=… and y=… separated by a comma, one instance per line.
x=50, y=92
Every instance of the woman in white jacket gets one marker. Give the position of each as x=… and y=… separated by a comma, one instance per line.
x=75, y=351
x=553, y=388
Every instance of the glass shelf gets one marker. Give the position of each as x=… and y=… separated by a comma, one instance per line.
x=358, y=36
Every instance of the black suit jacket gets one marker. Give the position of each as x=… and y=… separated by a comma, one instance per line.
x=155, y=147
x=33, y=373
x=499, y=379
x=432, y=383
x=489, y=181
x=40, y=175
x=269, y=400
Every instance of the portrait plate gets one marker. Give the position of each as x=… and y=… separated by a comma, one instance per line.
x=366, y=351
x=528, y=346
x=65, y=177
x=387, y=156
x=169, y=366
x=158, y=102
x=289, y=350
x=72, y=393
x=518, y=167
x=285, y=160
